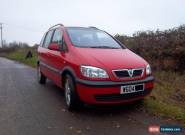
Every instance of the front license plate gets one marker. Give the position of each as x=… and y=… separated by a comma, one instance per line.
x=131, y=88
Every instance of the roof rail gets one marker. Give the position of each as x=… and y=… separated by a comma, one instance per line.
x=92, y=27
x=56, y=26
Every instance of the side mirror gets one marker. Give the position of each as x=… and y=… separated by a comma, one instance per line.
x=54, y=46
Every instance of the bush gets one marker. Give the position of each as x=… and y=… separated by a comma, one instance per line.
x=165, y=50
x=13, y=46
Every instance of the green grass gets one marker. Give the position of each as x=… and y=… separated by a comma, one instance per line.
x=165, y=109
x=166, y=98
x=19, y=56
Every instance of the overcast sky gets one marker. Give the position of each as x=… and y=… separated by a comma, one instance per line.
x=27, y=20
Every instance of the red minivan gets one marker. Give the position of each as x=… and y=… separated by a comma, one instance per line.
x=92, y=66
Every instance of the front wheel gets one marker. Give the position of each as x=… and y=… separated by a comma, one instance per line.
x=41, y=78
x=71, y=99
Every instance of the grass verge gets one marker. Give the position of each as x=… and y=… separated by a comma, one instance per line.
x=168, y=96
x=20, y=54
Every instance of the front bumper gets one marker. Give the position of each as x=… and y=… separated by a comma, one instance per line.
x=108, y=92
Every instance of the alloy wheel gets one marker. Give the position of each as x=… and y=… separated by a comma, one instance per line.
x=67, y=93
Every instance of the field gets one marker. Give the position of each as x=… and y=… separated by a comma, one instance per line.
x=167, y=98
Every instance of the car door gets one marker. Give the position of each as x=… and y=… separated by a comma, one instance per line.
x=56, y=57
x=44, y=57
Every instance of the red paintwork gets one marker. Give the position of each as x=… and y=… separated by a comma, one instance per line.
x=87, y=93
x=107, y=59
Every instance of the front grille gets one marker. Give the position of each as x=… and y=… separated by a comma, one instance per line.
x=137, y=72
x=124, y=73
x=117, y=97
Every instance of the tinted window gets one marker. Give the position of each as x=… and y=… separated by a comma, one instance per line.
x=94, y=38
x=57, y=37
x=48, y=39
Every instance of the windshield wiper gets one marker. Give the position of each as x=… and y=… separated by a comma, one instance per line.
x=104, y=47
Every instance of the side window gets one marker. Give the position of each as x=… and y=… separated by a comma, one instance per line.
x=47, y=39
x=42, y=40
x=57, y=37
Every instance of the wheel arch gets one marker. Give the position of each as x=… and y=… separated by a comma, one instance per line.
x=70, y=71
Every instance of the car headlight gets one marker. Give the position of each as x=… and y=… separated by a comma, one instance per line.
x=148, y=70
x=93, y=72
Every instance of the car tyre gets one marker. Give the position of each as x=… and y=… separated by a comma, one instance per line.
x=71, y=97
x=40, y=76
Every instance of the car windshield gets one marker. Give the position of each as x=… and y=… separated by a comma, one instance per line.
x=91, y=38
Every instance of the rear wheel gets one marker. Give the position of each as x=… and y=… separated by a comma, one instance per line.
x=41, y=78
x=71, y=98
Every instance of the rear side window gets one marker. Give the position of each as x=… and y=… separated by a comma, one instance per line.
x=47, y=39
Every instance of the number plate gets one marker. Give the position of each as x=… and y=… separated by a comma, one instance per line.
x=131, y=88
